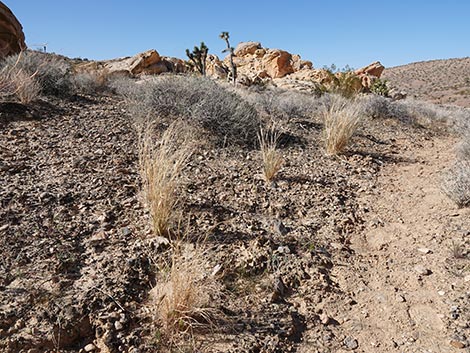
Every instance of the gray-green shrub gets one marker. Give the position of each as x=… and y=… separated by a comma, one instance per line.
x=199, y=101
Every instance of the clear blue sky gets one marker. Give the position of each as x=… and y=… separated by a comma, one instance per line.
x=342, y=32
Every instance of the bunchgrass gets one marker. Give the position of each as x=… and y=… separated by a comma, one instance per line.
x=161, y=163
x=341, y=118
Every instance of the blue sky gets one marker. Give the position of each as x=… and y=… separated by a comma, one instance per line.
x=325, y=32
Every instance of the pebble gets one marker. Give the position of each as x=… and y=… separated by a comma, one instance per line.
x=90, y=347
x=457, y=344
x=118, y=325
x=425, y=250
x=441, y=293
x=467, y=278
x=350, y=343
x=420, y=269
x=400, y=298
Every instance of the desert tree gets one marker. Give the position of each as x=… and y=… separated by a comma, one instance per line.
x=198, y=57
x=225, y=36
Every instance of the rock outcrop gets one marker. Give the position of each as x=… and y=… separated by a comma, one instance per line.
x=149, y=62
x=11, y=33
x=370, y=73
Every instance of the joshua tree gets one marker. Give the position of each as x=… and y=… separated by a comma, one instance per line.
x=198, y=57
x=225, y=36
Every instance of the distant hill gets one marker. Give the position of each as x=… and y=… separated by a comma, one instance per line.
x=439, y=81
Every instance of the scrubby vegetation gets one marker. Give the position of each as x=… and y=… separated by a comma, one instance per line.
x=201, y=103
x=182, y=155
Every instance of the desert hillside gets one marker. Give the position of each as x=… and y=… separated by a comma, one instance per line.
x=181, y=213
x=438, y=81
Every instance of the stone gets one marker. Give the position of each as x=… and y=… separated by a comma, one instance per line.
x=90, y=347
x=246, y=48
x=350, y=343
x=375, y=69
x=277, y=63
x=421, y=270
x=12, y=39
x=118, y=325
x=425, y=250
x=457, y=344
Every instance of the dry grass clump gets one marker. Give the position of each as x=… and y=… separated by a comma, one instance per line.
x=341, y=118
x=52, y=72
x=456, y=183
x=272, y=158
x=161, y=162
x=201, y=102
x=183, y=299
x=16, y=82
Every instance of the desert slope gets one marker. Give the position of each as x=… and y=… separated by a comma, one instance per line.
x=439, y=81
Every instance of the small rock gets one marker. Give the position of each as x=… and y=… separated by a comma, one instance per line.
x=457, y=344
x=420, y=269
x=467, y=278
x=118, y=325
x=350, y=343
x=325, y=319
x=441, y=293
x=425, y=250
x=400, y=298
x=126, y=231
x=90, y=347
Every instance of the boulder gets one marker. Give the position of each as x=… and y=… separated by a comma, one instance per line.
x=277, y=63
x=215, y=68
x=375, y=69
x=11, y=33
x=246, y=48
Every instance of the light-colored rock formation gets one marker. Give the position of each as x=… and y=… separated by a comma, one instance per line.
x=148, y=62
x=11, y=33
x=245, y=48
x=215, y=67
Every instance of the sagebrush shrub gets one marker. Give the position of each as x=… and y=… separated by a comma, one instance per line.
x=198, y=101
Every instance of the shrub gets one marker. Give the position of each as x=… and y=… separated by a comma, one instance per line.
x=456, y=183
x=161, y=163
x=341, y=118
x=272, y=159
x=380, y=87
x=51, y=72
x=90, y=82
x=200, y=102
x=278, y=104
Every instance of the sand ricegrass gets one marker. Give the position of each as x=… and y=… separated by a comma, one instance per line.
x=341, y=118
x=161, y=163
x=183, y=299
x=272, y=158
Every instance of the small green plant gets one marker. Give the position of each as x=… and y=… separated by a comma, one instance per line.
x=380, y=87
x=233, y=69
x=198, y=57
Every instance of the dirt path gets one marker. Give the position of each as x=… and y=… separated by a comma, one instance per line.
x=409, y=288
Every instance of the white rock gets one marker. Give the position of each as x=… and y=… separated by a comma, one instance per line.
x=90, y=347
x=425, y=250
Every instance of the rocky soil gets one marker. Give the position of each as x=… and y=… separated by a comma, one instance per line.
x=438, y=81
x=358, y=253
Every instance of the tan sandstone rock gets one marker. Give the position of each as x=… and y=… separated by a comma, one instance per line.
x=374, y=69
x=246, y=48
x=11, y=33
